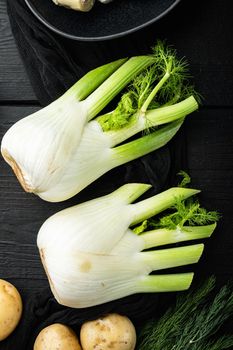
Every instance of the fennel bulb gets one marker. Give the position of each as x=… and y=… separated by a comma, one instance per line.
x=59, y=150
x=92, y=256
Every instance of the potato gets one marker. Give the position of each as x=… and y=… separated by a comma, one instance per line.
x=113, y=332
x=57, y=337
x=78, y=5
x=10, y=308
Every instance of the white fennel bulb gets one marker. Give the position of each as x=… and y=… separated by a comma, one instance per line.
x=59, y=150
x=92, y=256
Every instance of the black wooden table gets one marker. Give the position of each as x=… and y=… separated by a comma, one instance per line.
x=209, y=137
x=19, y=262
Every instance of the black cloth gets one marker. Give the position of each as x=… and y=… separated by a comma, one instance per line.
x=54, y=64
x=41, y=310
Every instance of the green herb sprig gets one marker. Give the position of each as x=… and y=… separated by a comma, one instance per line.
x=193, y=322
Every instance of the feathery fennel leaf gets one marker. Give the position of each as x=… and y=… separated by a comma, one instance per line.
x=224, y=342
x=185, y=212
x=164, y=83
x=121, y=116
x=186, y=179
x=141, y=228
x=192, y=323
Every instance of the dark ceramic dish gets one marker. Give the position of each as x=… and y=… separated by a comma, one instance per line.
x=103, y=22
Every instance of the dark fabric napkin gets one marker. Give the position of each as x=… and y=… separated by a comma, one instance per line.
x=53, y=65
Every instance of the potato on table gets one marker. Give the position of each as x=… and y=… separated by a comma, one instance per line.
x=57, y=337
x=10, y=308
x=113, y=332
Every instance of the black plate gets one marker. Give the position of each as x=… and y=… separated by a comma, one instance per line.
x=104, y=21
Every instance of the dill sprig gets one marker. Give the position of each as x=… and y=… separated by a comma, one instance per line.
x=165, y=83
x=192, y=323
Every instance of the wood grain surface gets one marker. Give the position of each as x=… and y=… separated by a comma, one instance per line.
x=14, y=83
x=19, y=260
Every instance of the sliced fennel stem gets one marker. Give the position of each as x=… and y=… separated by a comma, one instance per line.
x=163, y=236
x=90, y=81
x=154, y=92
x=153, y=118
x=151, y=206
x=172, y=257
x=131, y=191
x=173, y=112
x=165, y=283
x=115, y=83
x=145, y=144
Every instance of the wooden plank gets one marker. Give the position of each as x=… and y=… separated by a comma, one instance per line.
x=210, y=163
x=19, y=259
x=14, y=83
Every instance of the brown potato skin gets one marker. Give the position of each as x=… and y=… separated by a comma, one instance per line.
x=11, y=307
x=57, y=337
x=112, y=332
